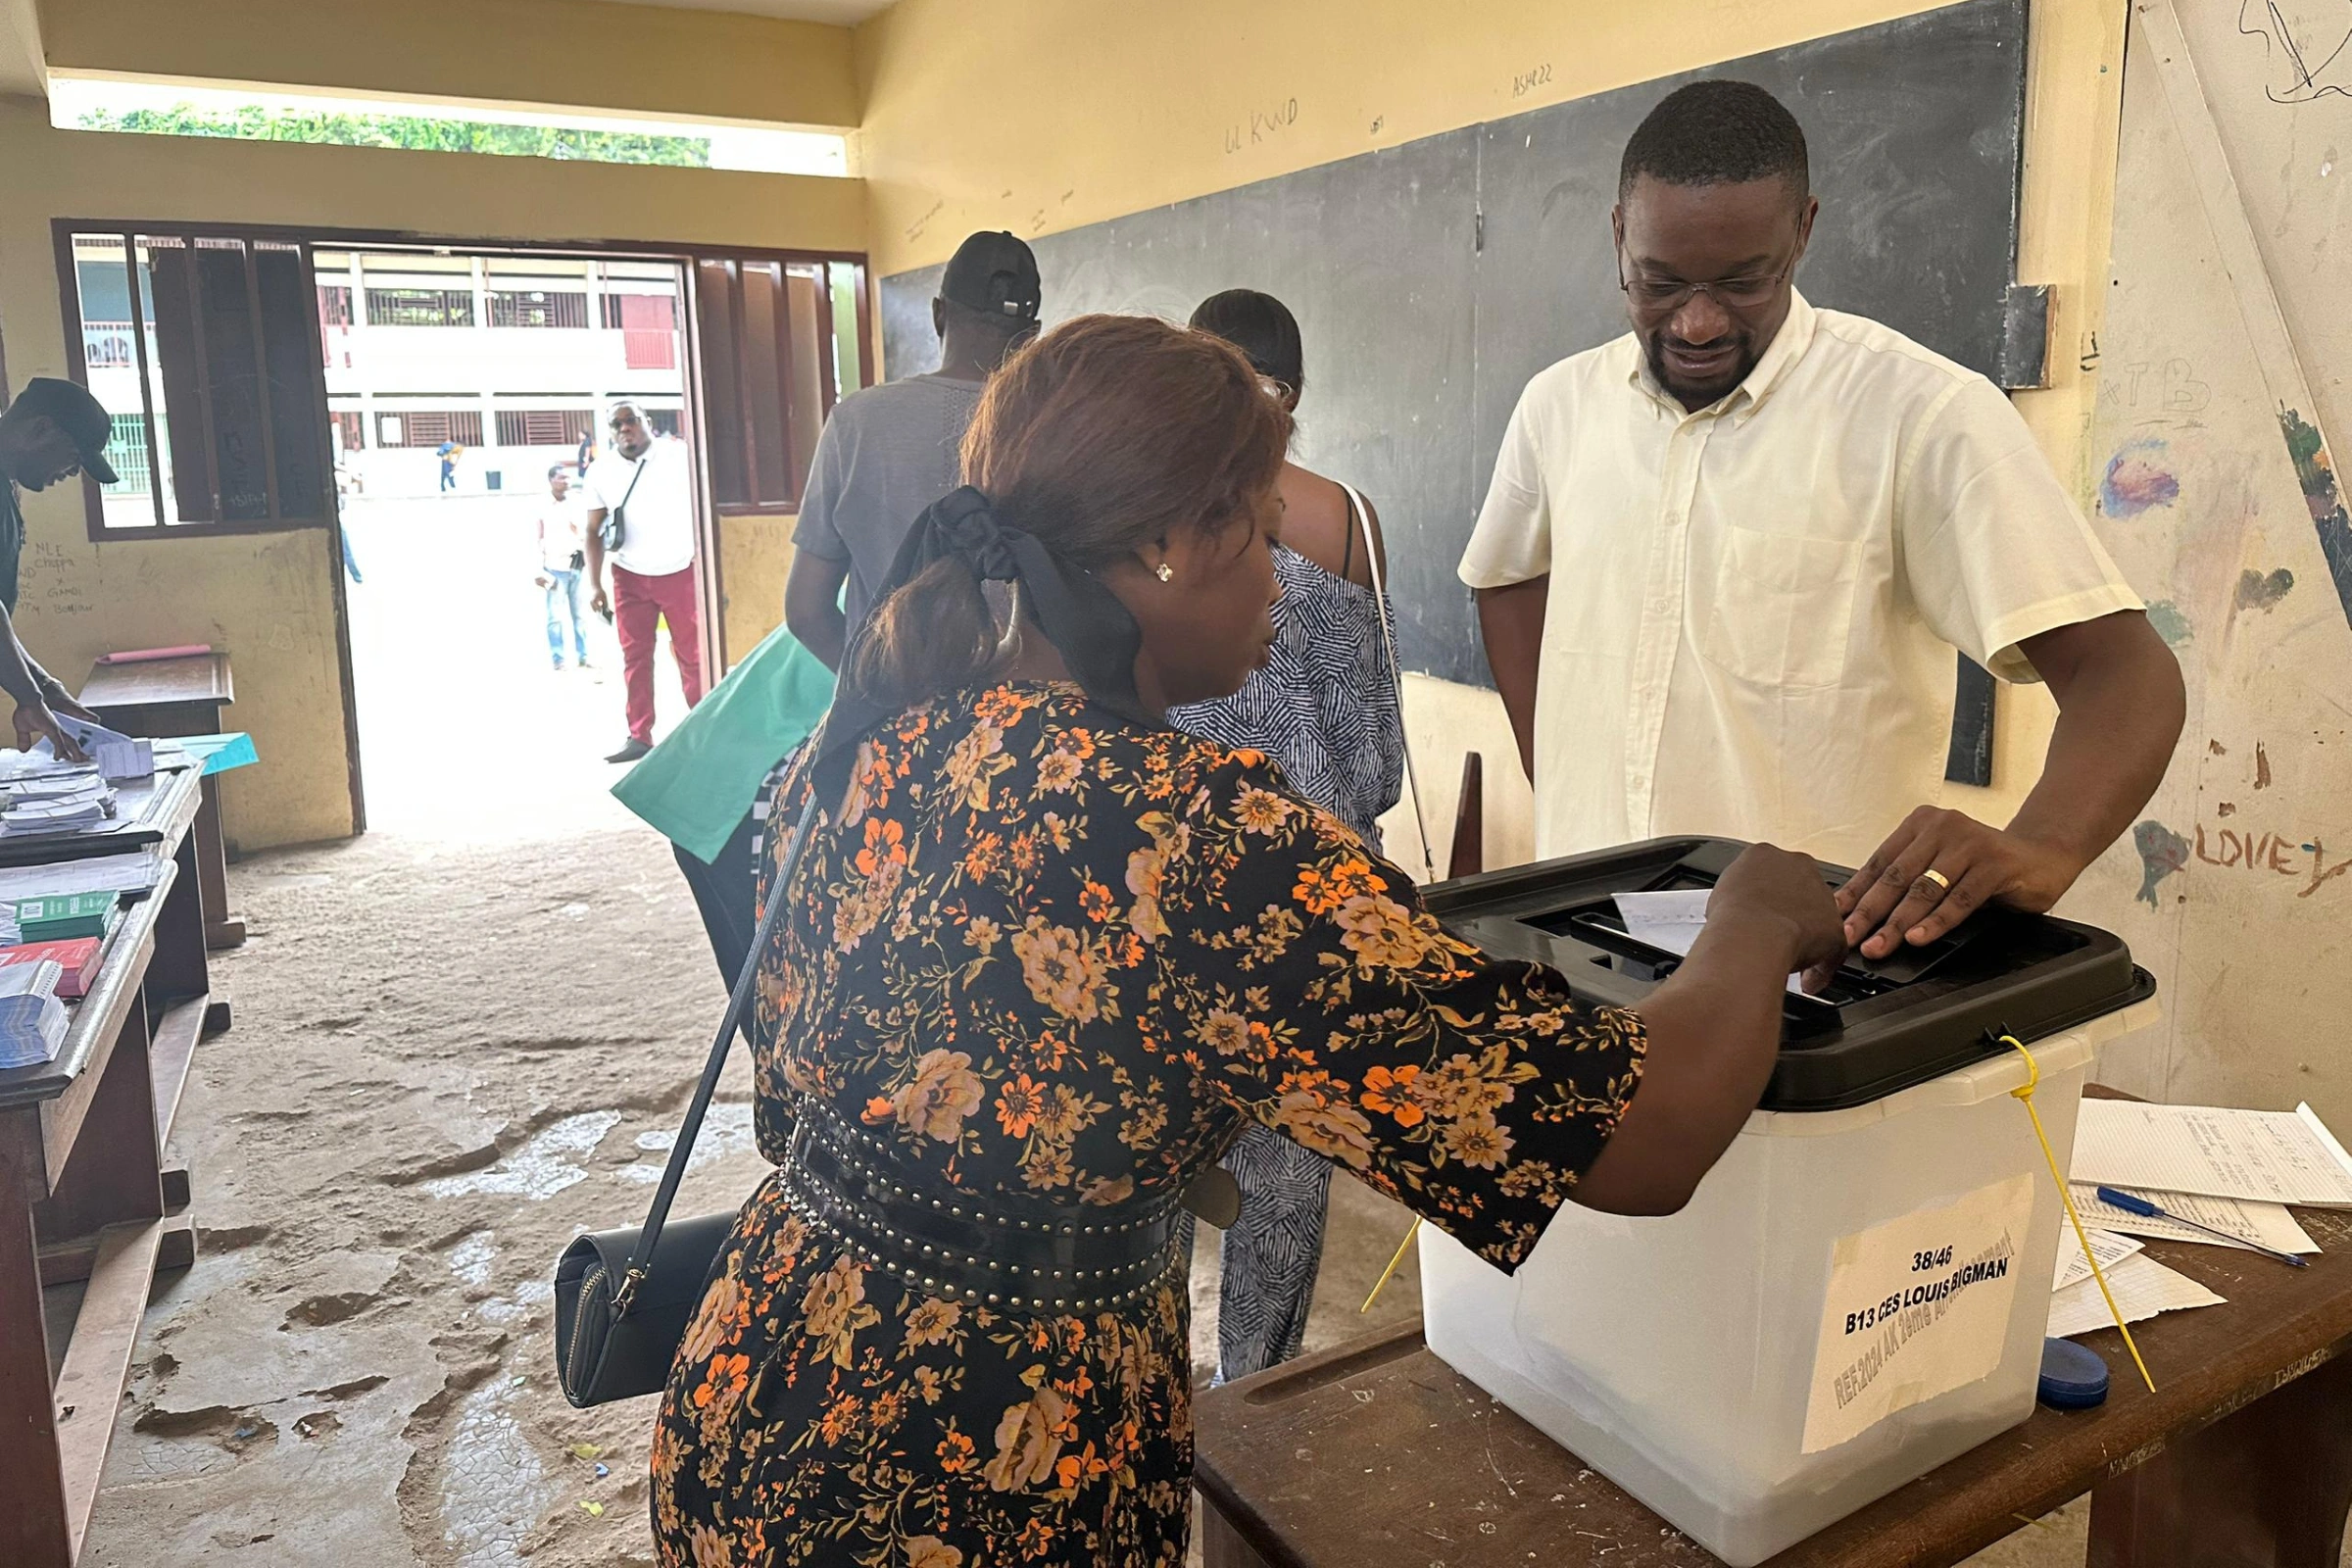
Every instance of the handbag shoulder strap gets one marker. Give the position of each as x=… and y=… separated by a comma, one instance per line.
x=738, y=1002
x=1361, y=516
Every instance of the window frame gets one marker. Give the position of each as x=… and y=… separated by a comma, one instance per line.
x=63, y=232
x=312, y=238
x=697, y=258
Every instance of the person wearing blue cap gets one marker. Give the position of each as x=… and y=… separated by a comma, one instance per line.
x=52, y=431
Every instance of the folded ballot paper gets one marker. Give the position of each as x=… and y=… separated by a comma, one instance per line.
x=32, y=1021
x=1671, y=922
x=117, y=756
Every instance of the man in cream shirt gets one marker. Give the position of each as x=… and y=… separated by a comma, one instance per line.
x=1724, y=560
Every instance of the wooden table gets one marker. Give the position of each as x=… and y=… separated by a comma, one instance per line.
x=1376, y=1452
x=165, y=697
x=83, y=1192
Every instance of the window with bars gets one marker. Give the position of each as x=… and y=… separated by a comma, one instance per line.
x=536, y=307
x=420, y=306
x=350, y=429
x=334, y=305
x=222, y=413
x=429, y=428
x=544, y=428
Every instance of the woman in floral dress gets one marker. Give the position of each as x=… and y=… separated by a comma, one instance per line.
x=1040, y=960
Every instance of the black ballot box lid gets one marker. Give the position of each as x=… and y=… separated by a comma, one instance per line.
x=1875, y=1029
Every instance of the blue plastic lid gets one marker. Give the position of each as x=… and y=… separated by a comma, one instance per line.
x=2073, y=1376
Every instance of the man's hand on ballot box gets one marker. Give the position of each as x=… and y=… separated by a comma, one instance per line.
x=1938, y=868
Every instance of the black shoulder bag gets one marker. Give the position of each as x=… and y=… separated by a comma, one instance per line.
x=623, y=1298
x=615, y=527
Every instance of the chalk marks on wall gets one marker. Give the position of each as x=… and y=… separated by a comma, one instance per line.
x=2161, y=851
x=2171, y=625
x=2308, y=53
x=2138, y=477
x=2315, y=470
x=2261, y=591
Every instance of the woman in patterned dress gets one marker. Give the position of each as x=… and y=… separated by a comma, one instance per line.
x=1325, y=708
x=1040, y=961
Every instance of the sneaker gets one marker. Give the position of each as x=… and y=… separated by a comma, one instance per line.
x=631, y=750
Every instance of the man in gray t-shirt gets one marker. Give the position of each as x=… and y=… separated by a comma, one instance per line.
x=890, y=451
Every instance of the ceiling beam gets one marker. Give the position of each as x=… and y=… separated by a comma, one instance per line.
x=527, y=54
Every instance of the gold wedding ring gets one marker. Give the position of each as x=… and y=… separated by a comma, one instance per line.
x=1938, y=878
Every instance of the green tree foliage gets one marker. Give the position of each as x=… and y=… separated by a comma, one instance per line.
x=254, y=122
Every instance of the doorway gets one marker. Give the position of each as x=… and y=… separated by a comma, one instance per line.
x=409, y=396
x=465, y=390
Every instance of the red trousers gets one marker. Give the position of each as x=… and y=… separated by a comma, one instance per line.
x=639, y=604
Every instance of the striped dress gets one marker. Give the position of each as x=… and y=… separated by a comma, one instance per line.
x=1326, y=709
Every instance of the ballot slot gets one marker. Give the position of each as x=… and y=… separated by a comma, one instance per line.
x=1598, y=925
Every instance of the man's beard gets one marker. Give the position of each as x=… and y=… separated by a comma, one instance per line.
x=1744, y=362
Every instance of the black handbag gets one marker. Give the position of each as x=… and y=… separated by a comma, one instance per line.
x=623, y=1298
x=615, y=528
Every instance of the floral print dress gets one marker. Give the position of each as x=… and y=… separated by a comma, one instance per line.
x=1043, y=958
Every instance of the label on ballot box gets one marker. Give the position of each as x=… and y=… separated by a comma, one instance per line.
x=1917, y=1306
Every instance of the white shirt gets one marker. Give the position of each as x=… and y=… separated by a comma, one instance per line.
x=658, y=525
x=560, y=529
x=1752, y=609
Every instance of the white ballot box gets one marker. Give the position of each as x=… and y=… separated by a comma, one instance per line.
x=1852, y=1298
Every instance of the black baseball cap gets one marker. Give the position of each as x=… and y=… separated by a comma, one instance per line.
x=72, y=410
x=994, y=273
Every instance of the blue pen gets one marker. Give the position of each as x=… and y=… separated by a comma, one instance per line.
x=2133, y=1203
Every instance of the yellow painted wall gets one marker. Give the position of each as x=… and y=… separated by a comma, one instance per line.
x=1092, y=112
x=709, y=65
x=758, y=553
x=268, y=598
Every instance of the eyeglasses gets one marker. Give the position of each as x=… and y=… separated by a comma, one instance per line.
x=1662, y=296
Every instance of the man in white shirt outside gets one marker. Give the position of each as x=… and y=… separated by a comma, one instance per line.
x=1725, y=559
x=647, y=481
x=562, y=551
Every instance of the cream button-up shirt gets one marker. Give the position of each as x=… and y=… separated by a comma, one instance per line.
x=1752, y=609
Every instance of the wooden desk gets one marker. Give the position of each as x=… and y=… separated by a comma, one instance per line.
x=83, y=1194
x=164, y=697
x=1376, y=1452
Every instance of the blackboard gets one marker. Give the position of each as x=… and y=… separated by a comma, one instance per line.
x=1432, y=280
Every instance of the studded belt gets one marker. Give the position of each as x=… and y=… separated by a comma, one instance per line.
x=947, y=1242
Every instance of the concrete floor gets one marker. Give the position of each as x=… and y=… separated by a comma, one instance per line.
x=460, y=1041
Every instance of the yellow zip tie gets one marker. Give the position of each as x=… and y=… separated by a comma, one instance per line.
x=1410, y=1231
x=2034, y=1081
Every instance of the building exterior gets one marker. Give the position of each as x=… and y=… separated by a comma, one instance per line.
x=514, y=359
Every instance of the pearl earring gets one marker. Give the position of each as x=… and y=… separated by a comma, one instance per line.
x=1164, y=572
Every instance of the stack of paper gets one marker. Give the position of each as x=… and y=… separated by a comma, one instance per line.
x=2271, y=1157
x=33, y=1021
x=134, y=872
x=2234, y=1170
